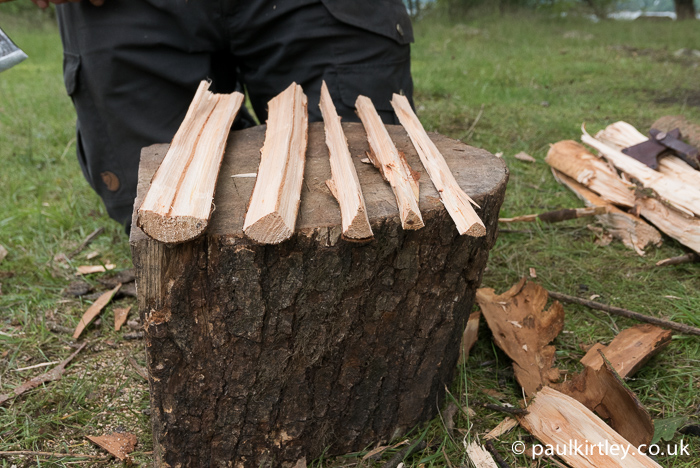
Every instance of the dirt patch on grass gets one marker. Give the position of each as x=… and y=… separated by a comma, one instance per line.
x=683, y=97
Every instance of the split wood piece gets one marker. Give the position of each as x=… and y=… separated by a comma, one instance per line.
x=456, y=201
x=604, y=393
x=632, y=230
x=94, y=310
x=679, y=327
x=560, y=421
x=671, y=222
x=178, y=204
x=392, y=164
x=273, y=207
x=54, y=374
x=119, y=444
x=523, y=330
x=623, y=135
x=470, y=335
x=503, y=427
x=574, y=160
x=680, y=195
x=90, y=269
x=689, y=130
x=558, y=215
x=630, y=349
x=690, y=257
x=32, y=453
x=345, y=185
x=480, y=457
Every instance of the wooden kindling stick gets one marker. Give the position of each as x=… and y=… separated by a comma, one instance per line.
x=179, y=202
x=344, y=185
x=680, y=327
x=273, y=207
x=392, y=165
x=558, y=215
x=456, y=201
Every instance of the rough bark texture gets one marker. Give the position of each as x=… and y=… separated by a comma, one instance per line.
x=261, y=354
x=685, y=9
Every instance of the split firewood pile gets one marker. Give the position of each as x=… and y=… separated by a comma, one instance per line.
x=593, y=410
x=636, y=186
x=179, y=202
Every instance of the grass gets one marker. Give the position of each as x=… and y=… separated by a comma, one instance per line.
x=532, y=80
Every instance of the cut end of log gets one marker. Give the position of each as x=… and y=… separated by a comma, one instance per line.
x=270, y=229
x=412, y=221
x=170, y=229
x=475, y=230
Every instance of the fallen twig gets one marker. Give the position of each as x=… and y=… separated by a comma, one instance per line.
x=680, y=327
x=56, y=328
x=690, y=257
x=503, y=409
x=140, y=370
x=403, y=453
x=29, y=453
x=558, y=215
x=133, y=336
x=54, y=374
x=496, y=456
x=88, y=240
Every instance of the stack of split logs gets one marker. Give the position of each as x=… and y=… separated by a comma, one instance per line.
x=179, y=203
x=628, y=190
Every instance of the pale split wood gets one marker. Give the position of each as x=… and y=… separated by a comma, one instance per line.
x=94, y=310
x=630, y=349
x=456, y=201
x=561, y=421
x=480, y=457
x=344, y=185
x=391, y=164
x=503, y=427
x=574, y=160
x=621, y=135
x=179, y=202
x=673, y=223
x=273, y=207
x=557, y=215
x=684, y=197
x=633, y=231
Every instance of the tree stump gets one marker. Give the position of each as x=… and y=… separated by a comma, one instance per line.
x=261, y=354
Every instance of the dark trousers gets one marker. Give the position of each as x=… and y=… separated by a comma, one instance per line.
x=132, y=67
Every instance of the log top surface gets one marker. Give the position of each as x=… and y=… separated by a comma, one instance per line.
x=477, y=171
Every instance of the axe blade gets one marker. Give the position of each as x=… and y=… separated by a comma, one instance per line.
x=10, y=54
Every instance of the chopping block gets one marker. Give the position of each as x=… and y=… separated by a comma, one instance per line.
x=259, y=355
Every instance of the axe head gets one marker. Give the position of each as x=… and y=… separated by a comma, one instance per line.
x=10, y=54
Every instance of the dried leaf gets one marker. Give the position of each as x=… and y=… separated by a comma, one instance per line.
x=54, y=374
x=120, y=315
x=119, y=444
x=523, y=156
x=527, y=342
x=666, y=428
x=90, y=269
x=94, y=310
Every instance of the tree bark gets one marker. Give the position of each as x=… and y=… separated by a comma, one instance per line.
x=261, y=354
x=685, y=9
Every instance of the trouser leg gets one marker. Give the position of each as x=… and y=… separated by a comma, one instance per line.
x=131, y=68
x=303, y=41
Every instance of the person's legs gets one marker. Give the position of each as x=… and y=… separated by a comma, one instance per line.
x=358, y=47
x=131, y=68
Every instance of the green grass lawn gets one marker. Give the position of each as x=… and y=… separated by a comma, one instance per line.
x=531, y=81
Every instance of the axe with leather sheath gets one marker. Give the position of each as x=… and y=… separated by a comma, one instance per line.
x=659, y=142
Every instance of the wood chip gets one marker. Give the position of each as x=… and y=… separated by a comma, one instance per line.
x=120, y=315
x=3, y=253
x=503, y=427
x=54, y=374
x=119, y=444
x=470, y=335
x=603, y=392
x=456, y=201
x=273, y=207
x=90, y=269
x=630, y=349
x=560, y=421
x=94, y=310
x=480, y=457
x=527, y=344
x=523, y=156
